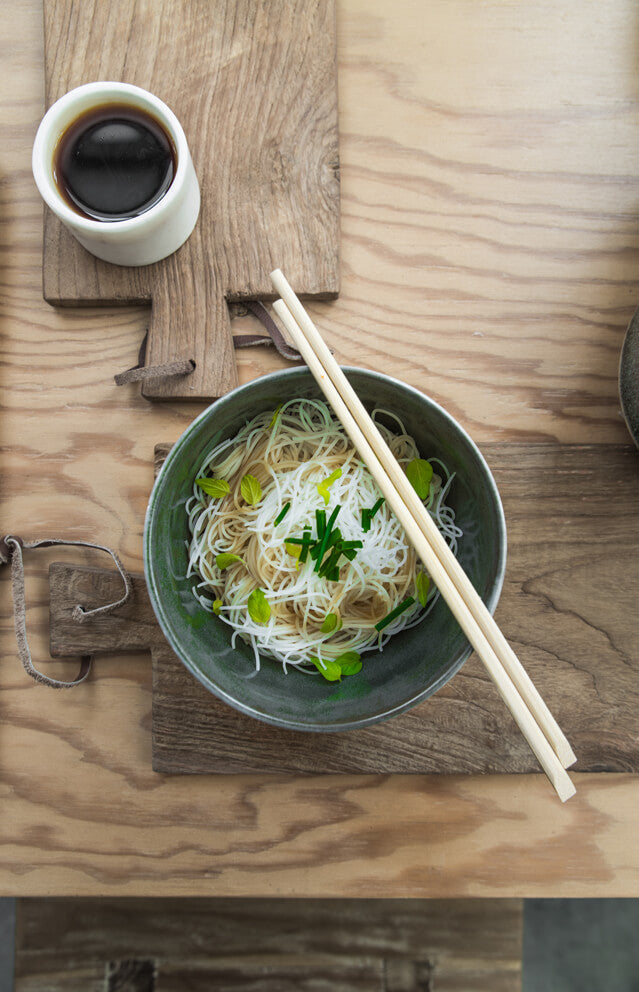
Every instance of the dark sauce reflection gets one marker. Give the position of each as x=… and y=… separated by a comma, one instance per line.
x=114, y=162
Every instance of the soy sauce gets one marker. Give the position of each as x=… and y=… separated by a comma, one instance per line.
x=114, y=162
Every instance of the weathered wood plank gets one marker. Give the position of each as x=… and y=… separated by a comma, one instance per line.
x=131, y=627
x=278, y=944
x=248, y=975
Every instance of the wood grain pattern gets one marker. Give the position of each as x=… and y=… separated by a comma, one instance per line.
x=310, y=945
x=490, y=257
x=254, y=86
x=556, y=562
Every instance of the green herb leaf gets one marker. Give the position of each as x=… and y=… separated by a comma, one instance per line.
x=330, y=623
x=420, y=473
x=251, y=490
x=352, y=669
x=214, y=487
x=282, y=513
x=422, y=584
x=217, y=605
x=324, y=486
x=331, y=671
x=258, y=607
x=349, y=662
x=347, y=657
x=225, y=559
x=405, y=605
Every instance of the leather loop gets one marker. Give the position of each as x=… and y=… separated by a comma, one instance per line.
x=274, y=338
x=11, y=550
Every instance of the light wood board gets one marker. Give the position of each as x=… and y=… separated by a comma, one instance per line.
x=254, y=86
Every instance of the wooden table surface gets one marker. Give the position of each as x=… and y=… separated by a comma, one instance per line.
x=490, y=257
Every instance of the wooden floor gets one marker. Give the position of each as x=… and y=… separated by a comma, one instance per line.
x=270, y=945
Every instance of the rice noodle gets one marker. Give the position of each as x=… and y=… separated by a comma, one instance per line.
x=290, y=454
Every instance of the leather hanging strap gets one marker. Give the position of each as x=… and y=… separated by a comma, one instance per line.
x=11, y=550
x=274, y=338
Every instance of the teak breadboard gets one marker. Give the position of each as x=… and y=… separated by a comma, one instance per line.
x=557, y=505
x=255, y=88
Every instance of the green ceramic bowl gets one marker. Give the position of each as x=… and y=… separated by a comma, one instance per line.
x=415, y=663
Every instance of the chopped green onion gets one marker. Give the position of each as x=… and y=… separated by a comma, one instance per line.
x=217, y=488
x=258, y=607
x=299, y=546
x=326, y=548
x=407, y=603
x=377, y=506
x=225, y=559
x=251, y=490
x=305, y=546
x=367, y=515
x=334, y=539
x=325, y=537
x=420, y=473
x=324, y=486
x=282, y=513
x=329, y=565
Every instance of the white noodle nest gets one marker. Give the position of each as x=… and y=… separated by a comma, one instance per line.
x=290, y=454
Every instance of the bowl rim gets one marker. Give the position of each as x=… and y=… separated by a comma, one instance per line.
x=164, y=621
x=628, y=378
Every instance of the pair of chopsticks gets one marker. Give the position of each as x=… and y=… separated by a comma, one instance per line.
x=530, y=712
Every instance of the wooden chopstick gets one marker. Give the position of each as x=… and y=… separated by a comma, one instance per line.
x=401, y=498
x=475, y=604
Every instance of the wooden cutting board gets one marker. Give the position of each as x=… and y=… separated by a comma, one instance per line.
x=254, y=85
x=567, y=607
